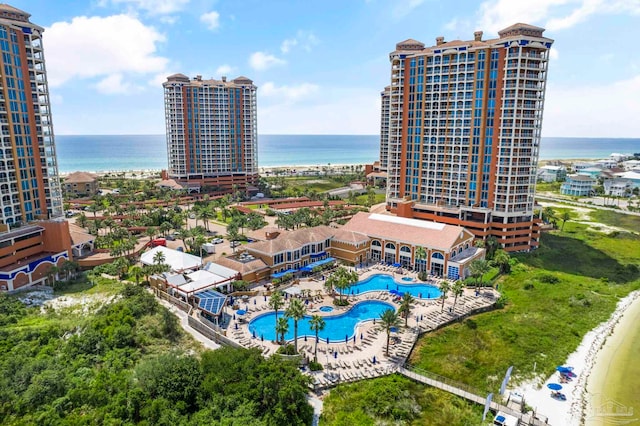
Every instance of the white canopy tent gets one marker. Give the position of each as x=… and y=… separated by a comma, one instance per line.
x=177, y=260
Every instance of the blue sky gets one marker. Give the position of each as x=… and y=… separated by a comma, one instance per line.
x=319, y=65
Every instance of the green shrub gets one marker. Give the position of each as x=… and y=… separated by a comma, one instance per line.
x=501, y=302
x=548, y=278
x=287, y=349
x=315, y=366
x=343, y=302
x=528, y=285
x=423, y=276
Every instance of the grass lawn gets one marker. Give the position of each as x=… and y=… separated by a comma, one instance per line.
x=555, y=296
x=548, y=187
x=364, y=198
x=396, y=400
x=621, y=220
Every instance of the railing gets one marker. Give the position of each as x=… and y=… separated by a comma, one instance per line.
x=181, y=304
x=210, y=333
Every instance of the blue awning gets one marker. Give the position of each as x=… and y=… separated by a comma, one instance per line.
x=312, y=265
x=283, y=273
x=322, y=253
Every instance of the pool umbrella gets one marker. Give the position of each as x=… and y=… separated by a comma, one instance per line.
x=265, y=298
x=346, y=338
x=360, y=336
x=305, y=338
x=262, y=337
x=554, y=386
x=335, y=355
x=234, y=316
x=374, y=359
x=254, y=334
x=236, y=325
x=354, y=338
x=327, y=340
x=562, y=369
x=254, y=301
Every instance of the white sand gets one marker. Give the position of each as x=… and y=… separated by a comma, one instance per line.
x=571, y=411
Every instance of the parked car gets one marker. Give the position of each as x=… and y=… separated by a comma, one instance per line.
x=159, y=242
x=234, y=244
x=68, y=213
x=217, y=241
x=170, y=237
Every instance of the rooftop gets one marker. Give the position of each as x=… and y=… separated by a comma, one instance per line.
x=412, y=231
x=293, y=240
x=80, y=177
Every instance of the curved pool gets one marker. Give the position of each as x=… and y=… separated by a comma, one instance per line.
x=336, y=326
x=384, y=282
x=326, y=308
x=407, y=279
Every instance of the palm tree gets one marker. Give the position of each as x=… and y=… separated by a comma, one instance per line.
x=136, y=272
x=52, y=274
x=159, y=258
x=341, y=280
x=282, y=327
x=445, y=286
x=501, y=260
x=457, y=289
x=491, y=245
x=296, y=310
x=420, y=254
x=317, y=324
x=478, y=268
x=405, y=306
x=82, y=220
x=565, y=217
x=388, y=320
x=276, y=302
x=549, y=214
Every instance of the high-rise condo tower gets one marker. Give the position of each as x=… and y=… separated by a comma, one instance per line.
x=464, y=132
x=29, y=182
x=212, y=133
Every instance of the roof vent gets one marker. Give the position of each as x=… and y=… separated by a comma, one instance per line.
x=439, y=40
x=477, y=36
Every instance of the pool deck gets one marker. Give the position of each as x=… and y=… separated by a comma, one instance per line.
x=346, y=362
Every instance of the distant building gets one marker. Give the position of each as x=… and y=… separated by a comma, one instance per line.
x=594, y=172
x=464, y=132
x=618, y=187
x=81, y=184
x=29, y=182
x=578, y=186
x=607, y=163
x=212, y=135
x=580, y=165
x=631, y=165
x=617, y=157
x=384, y=128
x=634, y=177
x=552, y=173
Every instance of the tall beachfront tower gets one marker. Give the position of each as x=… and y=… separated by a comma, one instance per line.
x=212, y=136
x=384, y=128
x=29, y=182
x=464, y=132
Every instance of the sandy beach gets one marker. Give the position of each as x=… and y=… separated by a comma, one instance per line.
x=573, y=411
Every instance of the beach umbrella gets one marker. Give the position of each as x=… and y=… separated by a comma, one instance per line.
x=562, y=369
x=554, y=386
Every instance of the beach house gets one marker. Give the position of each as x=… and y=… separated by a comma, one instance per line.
x=578, y=185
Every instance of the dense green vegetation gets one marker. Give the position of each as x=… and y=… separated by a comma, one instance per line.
x=123, y=365
x=396, y=400
x=555, y=295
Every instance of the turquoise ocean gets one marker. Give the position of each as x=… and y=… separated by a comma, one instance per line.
x=149, y=152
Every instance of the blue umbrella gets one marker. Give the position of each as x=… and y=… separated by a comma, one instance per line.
x=554, y=386
x=374, y=359
x=335, y=355
x=346, y=338
x=241, y=312
x=254, y=334
x=562, y=369
x=305, y=337
x=360, y=336
x=236, y=325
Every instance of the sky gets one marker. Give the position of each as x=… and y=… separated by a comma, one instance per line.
x=319, y=64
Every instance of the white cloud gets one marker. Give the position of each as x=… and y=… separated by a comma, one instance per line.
x=224, y=69
x=90, y=47
x=554, y=54
x=340, y=111
x=261, y=61
x=305, y=39
x=553, y=15
x=288, y=44
x=114, y=85
x=154, y=7
x=608, y=110
x=403, y=8
x=211, y=19
x=287, y=93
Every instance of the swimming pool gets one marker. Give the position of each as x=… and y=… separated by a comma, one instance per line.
x=326, y=308
x=408, y=279
x=336, y=326
x=382, y=282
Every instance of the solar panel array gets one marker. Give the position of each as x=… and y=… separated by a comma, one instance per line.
x=211, y=301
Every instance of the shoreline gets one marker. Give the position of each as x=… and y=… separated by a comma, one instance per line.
x=583, y=360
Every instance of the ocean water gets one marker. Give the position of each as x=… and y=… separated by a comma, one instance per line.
x=149, y=152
